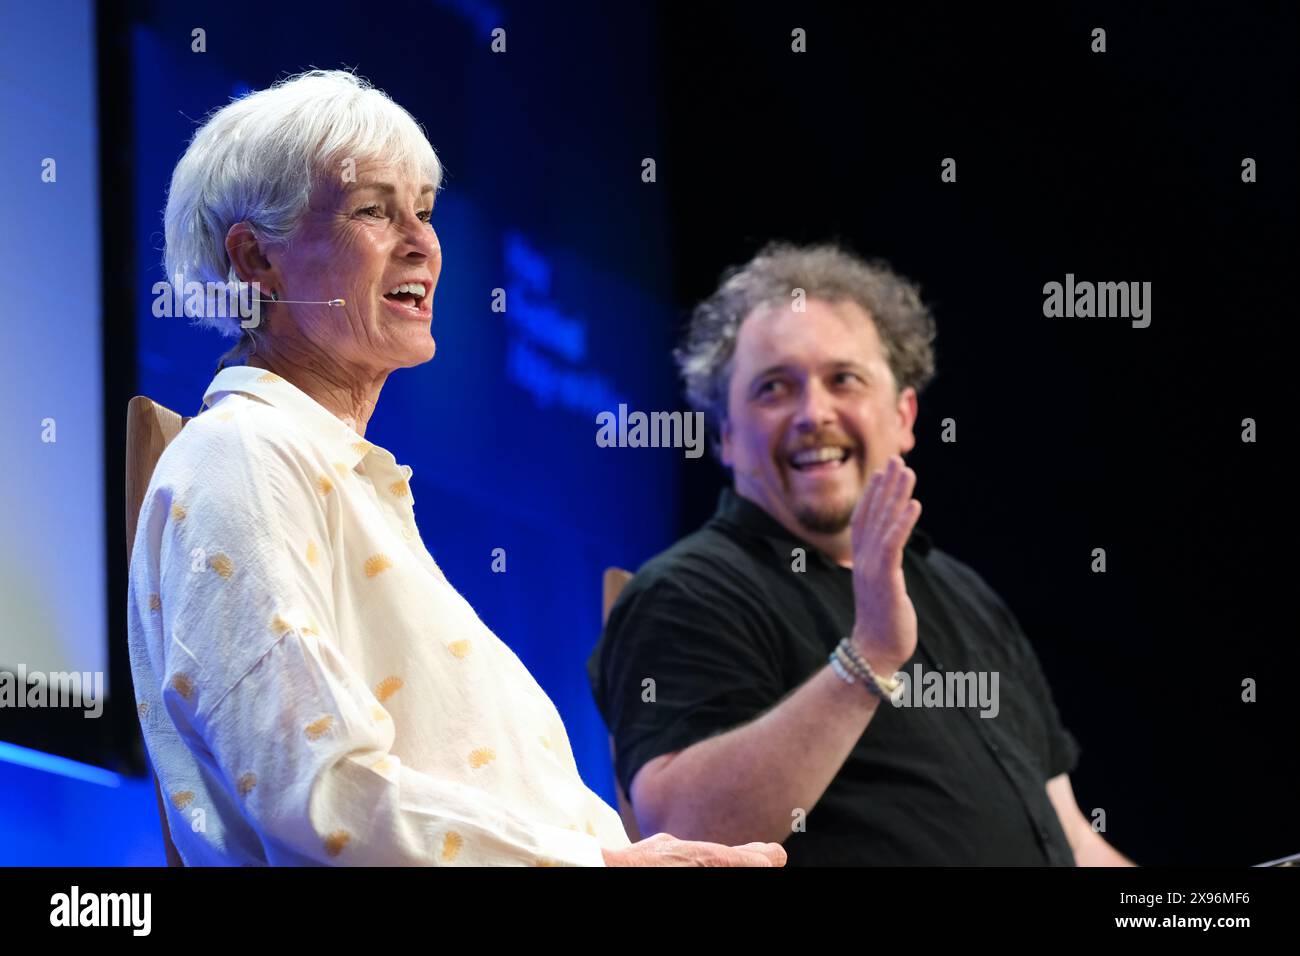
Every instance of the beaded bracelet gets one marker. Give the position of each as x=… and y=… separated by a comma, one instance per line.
x=887, y=684
x=845, y=669
x=847, y=660
x=843, y=674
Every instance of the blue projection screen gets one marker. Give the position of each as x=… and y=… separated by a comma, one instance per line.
x=53, y=604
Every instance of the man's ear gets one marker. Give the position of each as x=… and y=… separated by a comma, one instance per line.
x=249, y=258
x=907, y=410
x=724, y=435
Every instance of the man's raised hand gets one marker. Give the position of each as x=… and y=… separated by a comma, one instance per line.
x=885, y=622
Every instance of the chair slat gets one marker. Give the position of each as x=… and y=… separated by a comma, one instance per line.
x=150, y=428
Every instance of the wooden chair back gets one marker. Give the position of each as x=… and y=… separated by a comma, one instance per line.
x=150, y=428
x=615, y=580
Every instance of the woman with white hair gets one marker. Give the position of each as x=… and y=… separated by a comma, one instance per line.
x=311, y=688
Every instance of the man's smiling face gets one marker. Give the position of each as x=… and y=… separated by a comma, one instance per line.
x=812, y=411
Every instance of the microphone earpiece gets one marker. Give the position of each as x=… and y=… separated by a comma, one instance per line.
x=336, y=303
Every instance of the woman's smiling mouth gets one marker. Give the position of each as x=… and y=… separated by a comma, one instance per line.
x=413, y=299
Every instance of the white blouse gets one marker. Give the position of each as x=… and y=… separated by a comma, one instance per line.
x=311, y=688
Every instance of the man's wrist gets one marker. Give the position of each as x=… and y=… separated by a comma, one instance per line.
x=883, y=663
x=852, y=667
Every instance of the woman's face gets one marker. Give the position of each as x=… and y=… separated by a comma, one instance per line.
x=358, y=242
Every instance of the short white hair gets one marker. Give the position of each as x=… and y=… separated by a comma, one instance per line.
x=258, y=158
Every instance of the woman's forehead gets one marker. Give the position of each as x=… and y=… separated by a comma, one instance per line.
x=382, y=178
x=402, y=173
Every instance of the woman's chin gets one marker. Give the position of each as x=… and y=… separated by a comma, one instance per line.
x=423, y=352
x=408, y=344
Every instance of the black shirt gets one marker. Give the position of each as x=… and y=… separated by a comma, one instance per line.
x=725, y=628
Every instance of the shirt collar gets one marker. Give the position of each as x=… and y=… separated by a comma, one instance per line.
x=343, y=443
x=749, y=517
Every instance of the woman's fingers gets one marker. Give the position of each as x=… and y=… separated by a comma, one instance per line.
x=751, y=854
x=773, y=852
x=663, y=849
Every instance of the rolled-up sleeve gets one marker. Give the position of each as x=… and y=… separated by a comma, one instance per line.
x=257, y=685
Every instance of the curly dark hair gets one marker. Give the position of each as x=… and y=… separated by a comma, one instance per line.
x=825, y=271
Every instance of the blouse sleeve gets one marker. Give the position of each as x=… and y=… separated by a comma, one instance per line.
x=256, y=683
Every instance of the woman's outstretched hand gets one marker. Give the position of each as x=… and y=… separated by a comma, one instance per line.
x=665, y=850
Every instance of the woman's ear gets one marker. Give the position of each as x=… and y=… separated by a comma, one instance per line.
x=248, y=258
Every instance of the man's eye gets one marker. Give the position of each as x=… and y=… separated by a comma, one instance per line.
x=426, y=215
x=369, y=209
x=768, y=387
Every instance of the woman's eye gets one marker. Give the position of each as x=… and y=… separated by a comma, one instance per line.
x=424, y=215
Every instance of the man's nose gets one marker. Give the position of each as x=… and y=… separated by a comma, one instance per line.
x=816, y=407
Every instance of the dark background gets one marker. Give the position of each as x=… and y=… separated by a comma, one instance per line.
x=1072, y=434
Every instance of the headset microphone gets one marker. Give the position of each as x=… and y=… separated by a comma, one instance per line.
x=337, y=303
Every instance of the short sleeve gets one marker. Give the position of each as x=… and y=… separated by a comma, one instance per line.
x=259, y=690
x=680, y=662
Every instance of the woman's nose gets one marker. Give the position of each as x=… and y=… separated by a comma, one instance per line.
x=420, y=237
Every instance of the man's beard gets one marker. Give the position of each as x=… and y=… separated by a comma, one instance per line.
x=825, y=519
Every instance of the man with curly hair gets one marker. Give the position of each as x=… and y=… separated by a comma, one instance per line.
x=802, y=669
